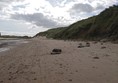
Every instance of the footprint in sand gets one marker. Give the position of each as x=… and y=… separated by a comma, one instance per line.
x=71, y=73
x=1, y=81
x=61, y=66
x=66, y=69
x=94, y=67
x=9, y=79
x=35, y=79
x=70, y=80
x=106, y=55
x=61, y=73
x=76, y=71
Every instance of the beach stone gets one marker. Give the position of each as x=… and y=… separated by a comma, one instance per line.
x=87, y=44
x=96, y=57
x=103, y=47
x=80, y=45
x=56, y=51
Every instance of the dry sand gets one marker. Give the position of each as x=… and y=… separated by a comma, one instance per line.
x=33, y=63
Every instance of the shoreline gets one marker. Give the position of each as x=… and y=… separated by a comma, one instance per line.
x=6, y=44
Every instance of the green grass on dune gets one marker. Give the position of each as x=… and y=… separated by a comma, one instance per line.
x=102, y=26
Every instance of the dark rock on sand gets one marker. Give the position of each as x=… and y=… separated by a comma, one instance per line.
x=56, y=51
x=96, y=57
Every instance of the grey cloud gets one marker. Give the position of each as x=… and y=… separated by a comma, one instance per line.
x=4, y=3
x=99, y=7
x=7, y=1
x=85, y=9
x=90, y=1
x=37, y=18
x=17, y=7
x=82, y=8
x=20, y=6
x=58, y=2
x=54, y=2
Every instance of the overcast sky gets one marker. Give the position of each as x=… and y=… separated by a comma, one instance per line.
x=28, y=17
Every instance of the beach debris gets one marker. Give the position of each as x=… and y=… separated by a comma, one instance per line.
x=95, y=57
x=56, y=51
x=80, y=45
x=87, y=44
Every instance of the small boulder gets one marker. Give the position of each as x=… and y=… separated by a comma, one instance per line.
x=56, y=51
x=96, y=57
x=87, y=44
x=103, y=47
x=80, y=45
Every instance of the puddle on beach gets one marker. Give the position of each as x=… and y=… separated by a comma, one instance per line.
x=7, y=44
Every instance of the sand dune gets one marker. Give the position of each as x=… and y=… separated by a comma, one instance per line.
x=33, y=63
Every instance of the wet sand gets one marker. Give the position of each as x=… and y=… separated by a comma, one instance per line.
x=33, y=63
x=6, y=44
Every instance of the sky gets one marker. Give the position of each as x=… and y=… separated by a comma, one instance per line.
x=28, y=17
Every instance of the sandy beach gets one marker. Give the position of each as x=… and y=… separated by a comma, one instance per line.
x=32, y=62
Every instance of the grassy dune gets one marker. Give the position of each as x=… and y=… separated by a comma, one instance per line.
x=102, y=26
